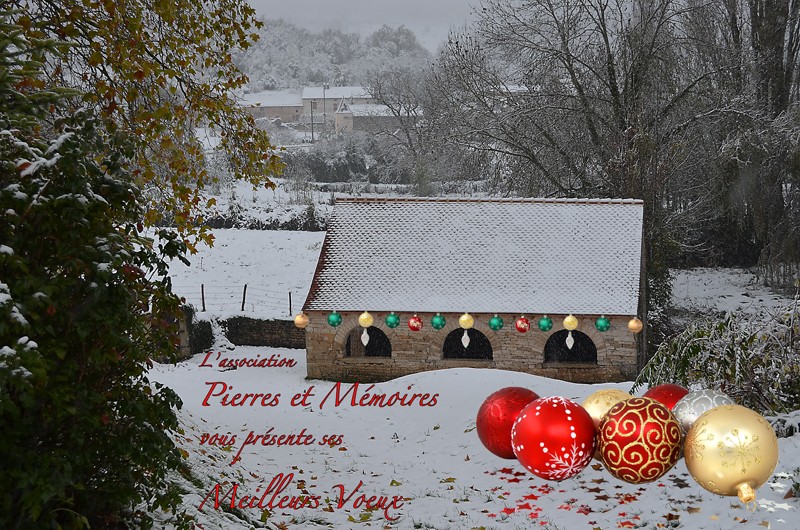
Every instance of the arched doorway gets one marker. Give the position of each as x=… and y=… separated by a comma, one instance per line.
x=479, y=346
x=583, y=350
x=379, y=344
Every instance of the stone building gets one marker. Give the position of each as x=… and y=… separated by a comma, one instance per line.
x=509, y=258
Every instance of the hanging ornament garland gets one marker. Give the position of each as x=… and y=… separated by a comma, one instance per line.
x=334, y=319
x=545, y=323
x=602, y=323
x=522, y=324
x=438, y=321
x=415, y=323
x=392, y=320
x=570, y=324
x=365, y=320
x=466, y=322
x=496, y=323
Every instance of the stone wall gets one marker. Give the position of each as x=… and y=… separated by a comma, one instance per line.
x=420, y=351
x=246, y=331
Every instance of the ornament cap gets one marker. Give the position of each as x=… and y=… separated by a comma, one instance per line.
x=746, y=493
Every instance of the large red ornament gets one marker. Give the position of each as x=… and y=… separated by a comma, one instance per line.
x=415, y=323
x=639, y=440
x=522, y=324
x=668, y=394
x=553, y=438
x=496, y=416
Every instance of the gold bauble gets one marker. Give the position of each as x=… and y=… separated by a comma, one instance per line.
x=731, y=450
x=466, y=321
x=635, y=325
x=570, y=323
x=365, y=320
x=600, y=402
x=301, y=321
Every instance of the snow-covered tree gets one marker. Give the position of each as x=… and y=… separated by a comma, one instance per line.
x=84, y=304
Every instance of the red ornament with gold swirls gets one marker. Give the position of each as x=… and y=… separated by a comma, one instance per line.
x=639, y=440
x=667, y=394
x=497, y=414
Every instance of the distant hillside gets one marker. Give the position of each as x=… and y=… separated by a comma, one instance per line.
x=287, y=56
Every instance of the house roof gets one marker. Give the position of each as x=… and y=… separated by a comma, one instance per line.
x=272, y=98
x=366, y=109
x=536, y=256
x=336, y=92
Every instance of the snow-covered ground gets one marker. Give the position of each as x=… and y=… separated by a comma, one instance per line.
x=426, y=462
x=705, y=290
x=271, y=263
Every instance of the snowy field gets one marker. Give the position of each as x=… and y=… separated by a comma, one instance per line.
x=425, y=465
x=428, y=458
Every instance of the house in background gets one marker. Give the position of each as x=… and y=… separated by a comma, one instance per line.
x=285, y=105
x=323, y=102
x=371, y=118
x=500, y=257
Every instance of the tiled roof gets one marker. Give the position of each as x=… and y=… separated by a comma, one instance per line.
x=336, y=92
x=273, y=98
x=553, y=256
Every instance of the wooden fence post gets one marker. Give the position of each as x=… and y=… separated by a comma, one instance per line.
x=203, y=295
x=244, y=295
x=290, y=303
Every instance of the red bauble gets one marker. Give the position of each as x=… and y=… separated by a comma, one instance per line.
x=415, y=323
x=668, y=394
x=553, y=438
x=639, y=440
x=522, y=324
x=496, y=416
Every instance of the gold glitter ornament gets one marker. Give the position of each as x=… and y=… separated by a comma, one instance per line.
x=731, y=450
x=365, y=319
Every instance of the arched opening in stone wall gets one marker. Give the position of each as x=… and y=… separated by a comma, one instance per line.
x=583, y=349
x=378, y=345
x=479, y=346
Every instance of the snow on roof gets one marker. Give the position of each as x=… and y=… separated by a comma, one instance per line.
x=272, y=98
x=535, y=256
x=367, y=110
x=336, y=92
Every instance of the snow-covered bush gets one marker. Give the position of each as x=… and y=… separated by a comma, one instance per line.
x=85, y=303
x=755, y=359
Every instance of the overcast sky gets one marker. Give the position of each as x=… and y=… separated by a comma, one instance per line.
x=429, y=19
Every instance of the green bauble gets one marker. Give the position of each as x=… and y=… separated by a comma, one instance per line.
x=602, y=324
x=438, y=321
x=392, y=320
x=334, y=319
x=545, y=324
x=496, y=323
